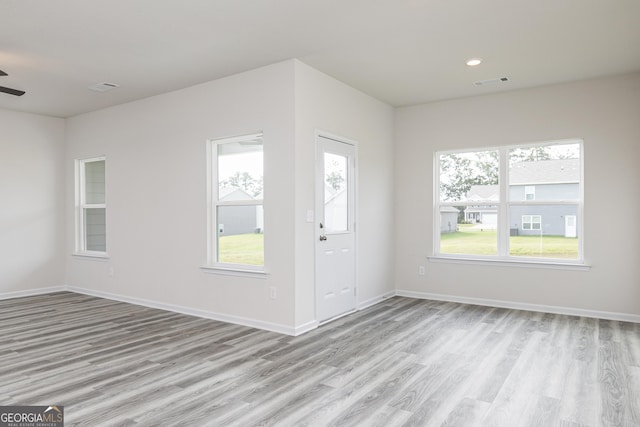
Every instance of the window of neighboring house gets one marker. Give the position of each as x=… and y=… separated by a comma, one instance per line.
x=503, y=194
x=531, y=222
x=236, y=210
x=91, y=207
x=529, y=192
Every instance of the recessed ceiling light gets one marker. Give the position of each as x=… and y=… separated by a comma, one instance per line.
x=474, y=62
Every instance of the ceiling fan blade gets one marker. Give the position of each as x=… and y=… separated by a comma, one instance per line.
x=10, y=91
x=2, y=73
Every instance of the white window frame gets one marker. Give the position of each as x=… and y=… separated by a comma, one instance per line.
x=213, y=203
x=81, y=205
x=531, y=220
x=530, y=190
x=504, y=204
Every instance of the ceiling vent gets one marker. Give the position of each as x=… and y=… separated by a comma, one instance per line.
x=491, y=81
x=103, y=87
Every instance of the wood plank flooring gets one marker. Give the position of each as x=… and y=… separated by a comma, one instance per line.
x=403, y=362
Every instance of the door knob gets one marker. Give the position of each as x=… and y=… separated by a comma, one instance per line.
x=323, y=237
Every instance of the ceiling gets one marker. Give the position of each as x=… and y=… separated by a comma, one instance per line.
x=403, y=52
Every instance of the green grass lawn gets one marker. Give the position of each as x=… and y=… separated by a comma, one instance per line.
x=469, y=241
x=474, y=241
x=242, y=249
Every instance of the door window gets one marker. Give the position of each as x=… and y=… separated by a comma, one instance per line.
x=336, y=193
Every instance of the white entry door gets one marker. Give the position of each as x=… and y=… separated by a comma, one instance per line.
x=570, y=227
x=335, y=228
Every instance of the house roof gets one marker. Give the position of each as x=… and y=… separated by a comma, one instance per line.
x=530, y=173
x=545, y=172
x=331, y=194
x=233, y=193
x=483, y=193
x=482, y=208
x=447, y=209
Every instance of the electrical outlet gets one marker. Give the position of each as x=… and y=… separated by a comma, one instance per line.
x=111, y=272
x=273, y=292
x=421, y=270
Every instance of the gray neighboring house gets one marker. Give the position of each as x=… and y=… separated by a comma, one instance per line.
x=448, y=219
x=544, y=180
x=482, y=214
x=234, y=220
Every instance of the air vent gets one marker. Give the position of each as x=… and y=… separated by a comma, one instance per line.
x=491, y=81
x=103, y=87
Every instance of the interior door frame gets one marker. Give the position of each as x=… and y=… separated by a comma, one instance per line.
x=316, y=234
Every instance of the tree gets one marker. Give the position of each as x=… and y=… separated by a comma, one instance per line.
x=531, y=154
x=459, y=172
x=335, y=180
x=455, y=176
x=244, y=181
x=488, y=163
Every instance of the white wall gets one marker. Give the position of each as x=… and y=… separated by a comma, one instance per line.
x=31, y=203
x=325, y=104
x=606, y=114
x=156, y=211
x=156, y=195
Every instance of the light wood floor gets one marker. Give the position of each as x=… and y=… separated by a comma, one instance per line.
x=402, y=362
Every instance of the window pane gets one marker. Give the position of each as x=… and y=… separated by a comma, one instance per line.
x=95, y=229
x=475, y=235
x=471, y=176
x=336, y=211
x=240, y=234
x=94, y=182
x=529, y=192
x=240, y=170
x=545, y=231
x=546, y=173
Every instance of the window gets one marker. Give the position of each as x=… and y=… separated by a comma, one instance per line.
x=336, y=197
x=236, y=210
x=469, y=183
x=529, y=192
x=91, y=207
x=510, y=203
x=531, y=222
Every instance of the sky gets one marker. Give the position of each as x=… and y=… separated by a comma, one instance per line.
x=251, y=162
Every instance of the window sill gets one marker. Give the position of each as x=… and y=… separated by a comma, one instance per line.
x=97, y=256
x=511, y=263
x=239, y=272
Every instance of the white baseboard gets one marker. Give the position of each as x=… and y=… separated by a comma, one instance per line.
x=31, y=292
x=238, y=320
x=623, y=317
x=306, y=327
x=375, y=300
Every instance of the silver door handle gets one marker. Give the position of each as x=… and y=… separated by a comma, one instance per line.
x=323, y=237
